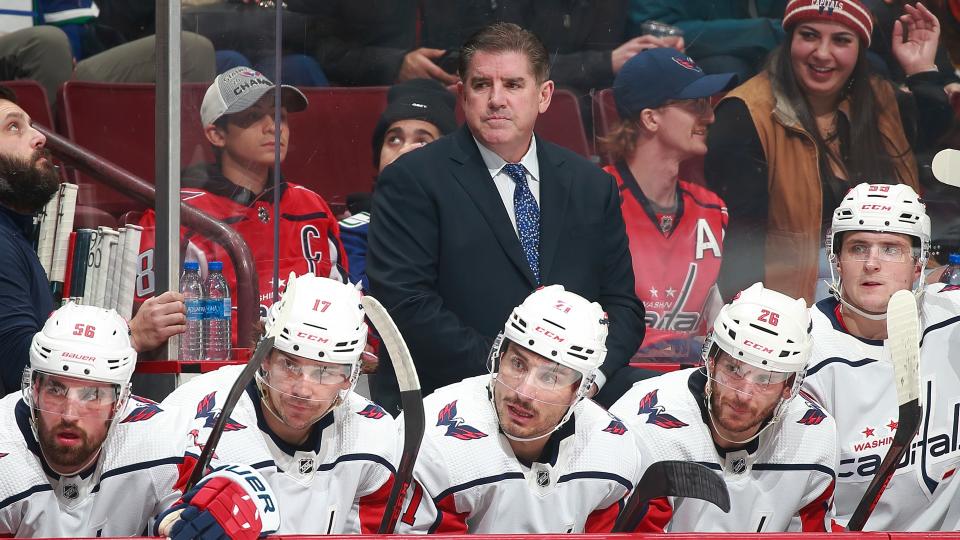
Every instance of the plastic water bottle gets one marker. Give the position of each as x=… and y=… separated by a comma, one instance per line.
x=951, y=275
x=191, y=341
x=217, y=313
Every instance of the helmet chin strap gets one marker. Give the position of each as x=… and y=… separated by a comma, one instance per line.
x=837, y=292
x=716, y=430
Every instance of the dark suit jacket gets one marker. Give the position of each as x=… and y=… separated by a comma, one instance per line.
x=446, y=261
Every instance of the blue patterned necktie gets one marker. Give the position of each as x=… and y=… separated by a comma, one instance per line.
x=528, y=217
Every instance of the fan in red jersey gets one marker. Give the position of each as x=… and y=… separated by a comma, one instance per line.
x=675, y=228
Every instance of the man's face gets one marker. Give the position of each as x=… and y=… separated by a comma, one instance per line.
x=248, y=138
x=743, y=397
x=532, y=394
x=73, y=417
x=403, y=136
x=27, y=177
x=301, y=390
x=501, y=101
x=873, y=266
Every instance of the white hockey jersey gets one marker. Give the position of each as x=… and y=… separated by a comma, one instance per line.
x=853, y=379
x=782, y=481
x=469, y=480
x=337, y=482
x=132, y=481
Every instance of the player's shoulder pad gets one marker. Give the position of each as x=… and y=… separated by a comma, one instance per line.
x=256, y=488
x=355, y=221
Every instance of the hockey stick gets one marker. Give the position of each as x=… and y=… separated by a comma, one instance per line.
x=946, y=167
x=672, y=479
x=903, y=340
x=264, y=346
x=411, y=401
x=65, y=216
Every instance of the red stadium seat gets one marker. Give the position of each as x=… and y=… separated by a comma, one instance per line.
x=116, y=121
x=32, y=98
x=561, y=124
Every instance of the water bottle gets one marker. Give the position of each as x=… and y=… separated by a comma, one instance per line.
x=217, y=313
x=191, y=341
x=951, y=275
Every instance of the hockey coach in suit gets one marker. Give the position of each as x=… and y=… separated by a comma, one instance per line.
x=465, y=228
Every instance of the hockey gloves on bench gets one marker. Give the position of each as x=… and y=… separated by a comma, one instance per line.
x=232, y=502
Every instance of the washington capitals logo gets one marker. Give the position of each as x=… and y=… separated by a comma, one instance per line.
x=206, y=409
x=147, y=410
x=813, y=416
x=616, y=427
x=658, y=416
x=948, y=288
x=687, y=62
x=828, y=6
x=372, y=411
x=455, y=426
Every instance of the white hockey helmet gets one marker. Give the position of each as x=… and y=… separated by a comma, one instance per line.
x=561, y=326
x=325, y=323
x=85, y=342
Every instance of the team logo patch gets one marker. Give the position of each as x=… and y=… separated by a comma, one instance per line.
x=739, y=465
x=687, y=62
x=306, y=466
x=71, y=491
x=616, y=427
x=207, y=409
x=263, y=215
x=372, y=411
x=948, y=288
x=147, y=410
x=658, y=416
x=455, y=426
x=813, y=416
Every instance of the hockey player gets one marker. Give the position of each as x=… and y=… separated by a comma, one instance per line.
x=327, y=452
x=663, y=99
x=520, y=450
x=878, y=244
x=738, y=416
x=81, y=456
x=238, y=120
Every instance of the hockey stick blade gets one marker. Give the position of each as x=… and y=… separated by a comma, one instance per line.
x=673, y=479
x=264, y=346
x=903, y=341
x=411, y=401
x=946, y=167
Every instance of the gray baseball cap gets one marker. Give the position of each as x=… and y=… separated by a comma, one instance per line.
x=236, y=90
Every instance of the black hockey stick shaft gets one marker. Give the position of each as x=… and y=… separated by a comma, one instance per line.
x=263, y=348
x=672, y=479
x=412, y=402
x=903, y=341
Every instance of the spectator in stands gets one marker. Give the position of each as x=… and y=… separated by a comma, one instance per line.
x=663, y=99
x=457, y=239
x=41, y=53
x=27, y=181
x=788, y=143
x=721, y=35
x=365, y=42
x=238, y=118
x=419, y=111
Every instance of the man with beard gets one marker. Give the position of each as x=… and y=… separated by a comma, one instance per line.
x=738, y=416
x=79, y=455
x=521, y=450
x=328, y=453
x=28, y=180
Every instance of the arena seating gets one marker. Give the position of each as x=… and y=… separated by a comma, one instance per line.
x=33, y=99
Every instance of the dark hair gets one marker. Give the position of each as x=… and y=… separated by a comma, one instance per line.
x=504, y=37
x=869, y=160
x=221, y=124
x=8, y=94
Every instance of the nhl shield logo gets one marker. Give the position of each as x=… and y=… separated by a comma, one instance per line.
x=71, y=491
x=739, y=466
x=543, y=478
x=306, y=466
x=263, y=214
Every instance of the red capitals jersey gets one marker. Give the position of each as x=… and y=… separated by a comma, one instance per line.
x=309, y=234
x=676, y=258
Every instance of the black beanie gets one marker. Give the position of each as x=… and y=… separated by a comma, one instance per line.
x=416, y=99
